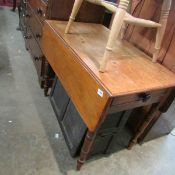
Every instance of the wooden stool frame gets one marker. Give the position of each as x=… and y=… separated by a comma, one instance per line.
x=121, y=18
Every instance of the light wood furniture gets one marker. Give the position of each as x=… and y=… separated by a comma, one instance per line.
x=132, y=80
x=121, y=17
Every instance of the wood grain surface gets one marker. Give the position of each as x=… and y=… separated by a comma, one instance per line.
x=129, y=70
x=81, y=86
x=75, y=59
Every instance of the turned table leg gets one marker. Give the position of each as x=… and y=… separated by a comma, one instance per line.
x=156, y=109
x=141, y=130
x=85, y=149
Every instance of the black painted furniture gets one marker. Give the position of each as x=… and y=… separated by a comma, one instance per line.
x=112, y=135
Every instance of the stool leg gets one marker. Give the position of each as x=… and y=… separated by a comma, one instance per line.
x=124, y=27
x=75, y=10
x=115, y=31
x=161, y=30
x=85, y=149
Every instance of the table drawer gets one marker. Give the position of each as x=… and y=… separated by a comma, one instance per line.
x=39, y=7
x=136, y=100
x=35, y=25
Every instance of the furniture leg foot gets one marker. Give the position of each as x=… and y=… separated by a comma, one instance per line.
x=45, y=91
x=79, y=165
x=131, y=144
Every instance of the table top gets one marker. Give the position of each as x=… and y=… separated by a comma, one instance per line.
x=128, y=71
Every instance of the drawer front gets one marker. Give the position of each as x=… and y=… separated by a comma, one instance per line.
x=22, y=16
x=36, y=53
x=136, y=100
x=35, y=25
x=39, y=7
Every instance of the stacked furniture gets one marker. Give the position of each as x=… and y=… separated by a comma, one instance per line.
x=132, y=80
x=112, y=135
x=33, y=14
x=93, y=108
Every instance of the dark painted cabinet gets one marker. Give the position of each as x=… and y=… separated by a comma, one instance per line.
x=111, y=136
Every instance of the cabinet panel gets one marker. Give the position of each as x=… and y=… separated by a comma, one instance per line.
x=61, y=9
x=35, y=25
x=39, y=7
x=59, y=99
x=74, y=129
x=36, y=53
x=169, y=60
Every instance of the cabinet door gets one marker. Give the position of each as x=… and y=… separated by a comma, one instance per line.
x=61, y=10
x=73, y=129
x=59, y=99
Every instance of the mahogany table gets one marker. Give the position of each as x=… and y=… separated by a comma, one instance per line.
x=131, y=79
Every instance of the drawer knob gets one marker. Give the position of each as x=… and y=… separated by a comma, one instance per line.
x=144, y=96
x=36, y=58
x=27, y=16
x=38, y=35
x=39, y=11
x=27, y=37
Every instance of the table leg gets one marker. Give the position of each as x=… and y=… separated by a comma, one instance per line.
x=156, y=109
x=141, y=130
x=86, y=148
